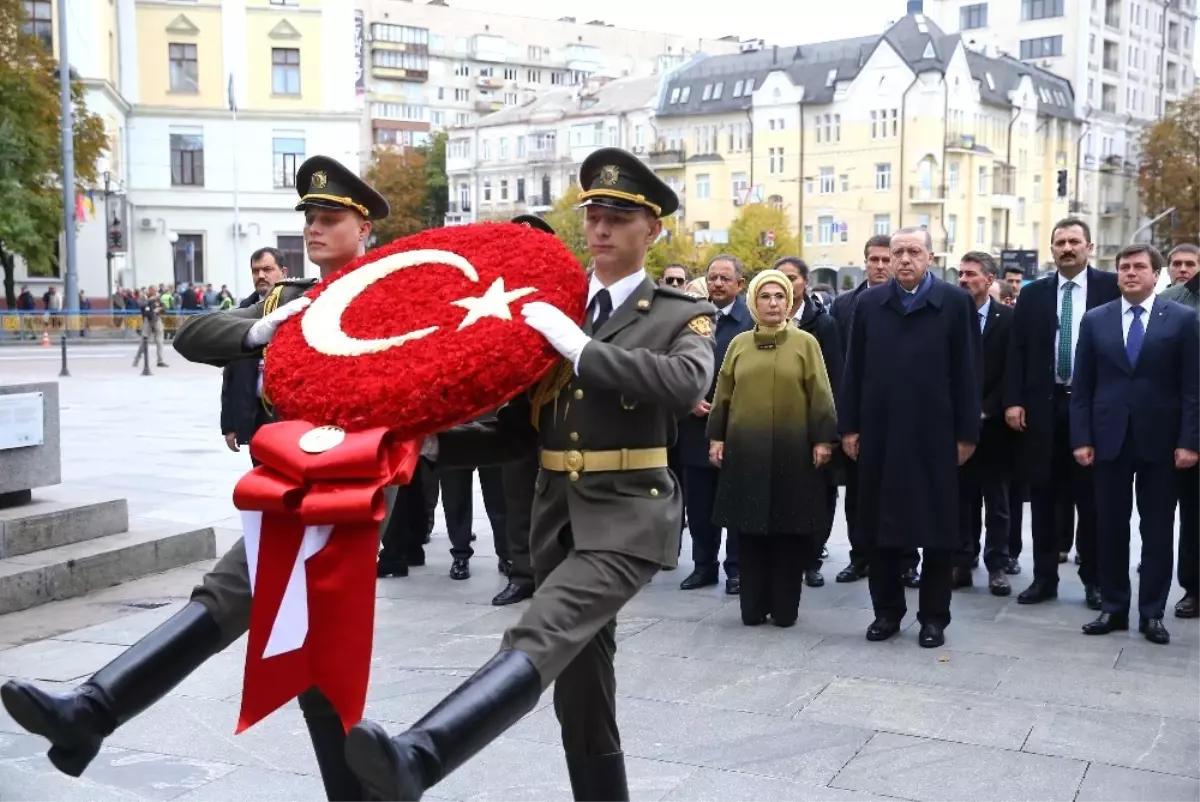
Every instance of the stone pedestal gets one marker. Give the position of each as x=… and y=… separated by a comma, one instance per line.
x=26, y=467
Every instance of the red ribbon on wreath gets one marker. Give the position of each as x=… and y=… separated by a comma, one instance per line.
x=310, y=520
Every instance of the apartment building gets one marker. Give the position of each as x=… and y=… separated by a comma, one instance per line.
x=1128, y=60
x=430, y=66
x=211, y=107
x=867, y=135
x=519, y=160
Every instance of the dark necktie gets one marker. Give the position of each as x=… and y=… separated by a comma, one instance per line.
x=602, y=306
x=1137, y=333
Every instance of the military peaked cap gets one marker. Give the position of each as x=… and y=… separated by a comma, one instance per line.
x=619, y=180
x=324, y=182
x=533, y=221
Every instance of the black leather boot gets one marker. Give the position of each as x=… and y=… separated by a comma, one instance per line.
x=329, y=744
x=76, y=723
x=598, y=778
x=471, y=717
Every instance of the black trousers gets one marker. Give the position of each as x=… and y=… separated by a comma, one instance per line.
x=459, y=505
x=404, y=538
x=981, y=484
x=520, y=481
x=1156, y=487
x=1189, y=530
x=773, y=576
x=1069, y=488
x=860, y=546
x=675, y=465
x=1018, y=494
x=887, y=587
x=706, y=536
x=818, y=543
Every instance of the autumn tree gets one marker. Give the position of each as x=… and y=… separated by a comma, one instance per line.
x=1169, y=174
x=677, y=246
x=31, y=179
x=437, y=185
x=401, y=175
x=747, y=237
x=567, y=221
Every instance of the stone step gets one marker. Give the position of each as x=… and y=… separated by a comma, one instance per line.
x=149, y=547
x=50, y=522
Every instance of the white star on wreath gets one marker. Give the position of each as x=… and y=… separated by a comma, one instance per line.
x=493, y=303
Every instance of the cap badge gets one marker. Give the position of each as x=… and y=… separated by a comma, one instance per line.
x=609, y=175
x=319, y=180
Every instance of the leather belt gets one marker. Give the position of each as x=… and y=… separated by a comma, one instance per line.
x=625, y=459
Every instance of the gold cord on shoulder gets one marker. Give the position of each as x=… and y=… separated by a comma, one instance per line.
x=549, y=387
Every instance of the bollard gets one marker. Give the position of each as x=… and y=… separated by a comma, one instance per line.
x=64, y=371
x=145, y=356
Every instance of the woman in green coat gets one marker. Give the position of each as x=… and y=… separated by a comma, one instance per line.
x=772, y=426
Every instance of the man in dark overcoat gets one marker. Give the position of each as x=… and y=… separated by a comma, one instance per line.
x=909, y=415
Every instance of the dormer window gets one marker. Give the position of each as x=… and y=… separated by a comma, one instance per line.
x=675, y=95
x=831, y=77
x=707, y=92
x=737, y=89
x=718, y=88
x=687, y=92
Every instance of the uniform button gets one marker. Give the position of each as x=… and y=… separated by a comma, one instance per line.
x=574, y=437
x=573, y=476
x=654, y=491
x=578, y=394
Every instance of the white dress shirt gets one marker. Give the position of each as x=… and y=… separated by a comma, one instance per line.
x=1127, y=316
x=799, y=311
x=618, y=291
x=983, y=313
x=1078, y=307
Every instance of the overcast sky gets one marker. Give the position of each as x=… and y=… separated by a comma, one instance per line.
x=777, y=21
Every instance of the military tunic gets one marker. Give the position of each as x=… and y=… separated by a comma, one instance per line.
x=606, y=511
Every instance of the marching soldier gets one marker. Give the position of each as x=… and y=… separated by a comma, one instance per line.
x=338, y=209
x=606, y=510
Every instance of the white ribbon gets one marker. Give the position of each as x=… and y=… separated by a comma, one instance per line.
x=290, y=627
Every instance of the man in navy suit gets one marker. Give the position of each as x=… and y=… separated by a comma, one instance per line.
x=726, y=280
x=1135, y=416
x=1037, y=397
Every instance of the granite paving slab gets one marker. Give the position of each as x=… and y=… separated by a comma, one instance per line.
x=1115, y=784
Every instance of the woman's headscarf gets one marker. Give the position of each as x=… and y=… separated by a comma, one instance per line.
x=768, y=277
x=697, y=287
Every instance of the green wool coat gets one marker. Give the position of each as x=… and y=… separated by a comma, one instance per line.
x=773, y=403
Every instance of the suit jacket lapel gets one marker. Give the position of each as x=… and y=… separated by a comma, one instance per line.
x=1114, y=331
x=627, y=314
x=990, y=323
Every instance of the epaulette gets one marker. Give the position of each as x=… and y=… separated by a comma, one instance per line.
x=671, y=292
x=298, y=281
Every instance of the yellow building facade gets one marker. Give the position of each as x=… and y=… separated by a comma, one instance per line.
x=866, y=136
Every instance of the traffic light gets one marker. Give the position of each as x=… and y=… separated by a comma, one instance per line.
x=1062, y=183
x=115, y=238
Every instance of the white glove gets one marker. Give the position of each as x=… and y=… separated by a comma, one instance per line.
x=558, y=329
x=264, y=329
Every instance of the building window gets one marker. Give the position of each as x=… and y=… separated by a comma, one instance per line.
x=292, y=248
x=462, y=95
x=980, y=225
x=402, y=34
x=1037, y=187
x=39, y=22
x=825, y=230
x=718, y=89
x=285, y=71
x=808, y=235
x=487, y=191
x=503, y=189
x=1043, y=47
x=883, y=177
x=952, y=178
x=184, y=66
x=827, y=181
x=776, y=161
x=188, y=253
x=973, y=16
x=703, y=187
x=951, y=231
x=187, y=160
x=844, y=179
x=401, y=60
x=740, y=183
x=983, y=181
x=1041, y=9
x=289, y=155
x=520, y=190
x=503, y=147
x=883, y=225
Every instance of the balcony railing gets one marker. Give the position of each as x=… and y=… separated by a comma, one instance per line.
x=1109, y=250
x=1079, y=207
x=456, y=207
x=1110, y=209
x=488, y=106
x=961, y=142
x=666, y=156
x=1111, y=163
x=542, y=154
x=921, y=194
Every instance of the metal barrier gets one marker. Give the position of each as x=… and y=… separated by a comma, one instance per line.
x=108, y=324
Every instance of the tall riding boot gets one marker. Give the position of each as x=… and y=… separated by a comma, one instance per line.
x=598, y=778
x=76, y=723
x=472, y=716
x=329, y=743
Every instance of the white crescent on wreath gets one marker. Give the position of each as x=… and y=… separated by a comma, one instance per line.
x=321, y=323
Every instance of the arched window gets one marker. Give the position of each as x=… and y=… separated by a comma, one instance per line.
x=775, y=201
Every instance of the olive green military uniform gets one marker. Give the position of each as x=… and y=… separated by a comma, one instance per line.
x=606, y=511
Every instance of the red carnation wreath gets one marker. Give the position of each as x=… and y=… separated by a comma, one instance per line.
x=425, y=332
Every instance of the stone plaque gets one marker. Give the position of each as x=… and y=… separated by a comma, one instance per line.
x=21, y=423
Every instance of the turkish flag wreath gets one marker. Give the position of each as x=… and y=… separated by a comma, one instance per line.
x=404, y=342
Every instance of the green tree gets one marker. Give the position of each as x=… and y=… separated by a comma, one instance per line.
x=676, y=247
x=1169, y=172
x=746, y=237
x=567, y=222
x=401, y=175
x=437, y=185
x=31, y=181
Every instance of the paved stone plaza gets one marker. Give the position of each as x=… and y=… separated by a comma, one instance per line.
x=1018, y=706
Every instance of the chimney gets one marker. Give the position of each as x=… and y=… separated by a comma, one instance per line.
x=915, y=7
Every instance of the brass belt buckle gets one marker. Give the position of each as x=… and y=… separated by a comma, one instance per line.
x=573, y=461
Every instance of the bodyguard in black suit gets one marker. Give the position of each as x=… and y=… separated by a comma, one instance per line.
x=726, y=280
x=1037, y=395
x=984, y=477
x=1135, y=415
